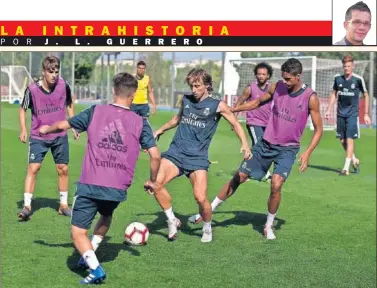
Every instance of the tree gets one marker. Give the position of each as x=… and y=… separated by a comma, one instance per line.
x=83, y=73
x=83, y=66
x=158, y=69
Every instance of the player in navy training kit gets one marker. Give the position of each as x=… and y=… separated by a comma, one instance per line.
x=197, y=121
x=347, y=88
x=294, y=101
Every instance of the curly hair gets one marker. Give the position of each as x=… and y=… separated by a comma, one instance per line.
x=265, y=66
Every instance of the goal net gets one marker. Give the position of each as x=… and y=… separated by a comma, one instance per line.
x=317, y=73
x=14, y=80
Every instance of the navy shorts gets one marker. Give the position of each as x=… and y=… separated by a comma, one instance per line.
x=347, y=127
x=59, y=150
x=185, y=166
x=85, y=209
x=255, y=133
x=141, y=109
x=264, y=154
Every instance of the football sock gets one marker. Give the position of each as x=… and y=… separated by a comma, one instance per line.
x=207, y=226
x=354, y=158
x=91, y=259
x=63, y=198
x=216, y=202
x=27, y=198
x=96, y=240
x=170, y=214
x=347, y=164
x=270, y=219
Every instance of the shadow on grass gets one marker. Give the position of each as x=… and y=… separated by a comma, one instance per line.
x=40, y=203
x=325, y=168
x=159, y=223
x=106, y=252
x=240, y=218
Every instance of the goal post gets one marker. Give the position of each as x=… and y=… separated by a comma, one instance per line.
x=318, y=73
x=14, y=80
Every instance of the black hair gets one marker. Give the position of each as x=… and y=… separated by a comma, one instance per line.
x=292, y=66
x=265, y=66
x=359, y=6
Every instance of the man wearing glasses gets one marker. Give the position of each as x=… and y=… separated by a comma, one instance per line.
x=357, y=24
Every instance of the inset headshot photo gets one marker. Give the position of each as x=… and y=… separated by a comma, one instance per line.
x=354, y=22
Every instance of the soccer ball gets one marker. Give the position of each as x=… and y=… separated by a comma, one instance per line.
x=136, y=234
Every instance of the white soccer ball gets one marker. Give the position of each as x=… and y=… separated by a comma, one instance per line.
x=136, y=234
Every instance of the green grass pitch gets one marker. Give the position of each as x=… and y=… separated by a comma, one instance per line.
x=326, y=234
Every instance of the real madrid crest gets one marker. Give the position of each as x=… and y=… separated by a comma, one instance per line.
x=206, y=112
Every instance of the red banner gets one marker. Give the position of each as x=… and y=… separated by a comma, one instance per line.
x=166, y=28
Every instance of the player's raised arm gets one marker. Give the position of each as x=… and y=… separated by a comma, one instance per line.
x=226, y=112
x=314, y=110
x=245, y=95
x=56, y=127
x=256, y=102
x=172, y=123
x=148, y=142
x=80, y=122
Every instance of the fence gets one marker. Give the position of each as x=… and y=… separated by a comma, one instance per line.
x=318, y=73
x=90, y=73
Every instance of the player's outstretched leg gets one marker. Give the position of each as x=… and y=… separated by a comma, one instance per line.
x=273, y=205
x=199, y=182
x=226, y=191
x=62, y=170
x=83, y=213
x=100, y=230
x=31, y=175
x=166, y=173
x=83, y=245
